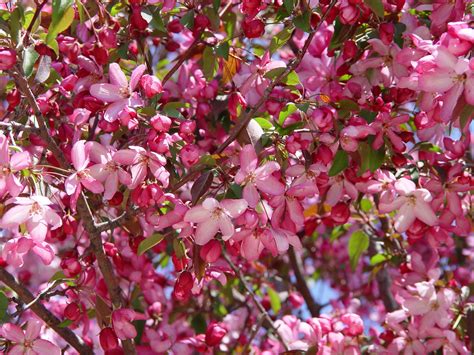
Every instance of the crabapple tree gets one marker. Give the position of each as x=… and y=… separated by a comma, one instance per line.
x=236, y=176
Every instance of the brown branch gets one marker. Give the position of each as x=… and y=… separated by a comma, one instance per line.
x=301, y=284
x=83, y=211
x=26, y=37
x=255, y=300
x=50, y=319
x=181, y=60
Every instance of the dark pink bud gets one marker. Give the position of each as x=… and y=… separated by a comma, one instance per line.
x=183, y=286
x=254, y=28
x=349, y=50
x=214, y=334
x=161, y=123
x=175, y=26
x=201, y=22
x=151, y=85
x=72, y=312
x=108, y=38
x=340, y=213
x=211, y=251
x=108, y=339
x=71, y=267
x=386, y=31
x=296, y=299
x=7, y=58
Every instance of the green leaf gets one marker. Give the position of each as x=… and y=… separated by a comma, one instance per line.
x=376, y=6
x=4, y=301
x=188, y=19
x=466, y=116
x=289, y=5
x=209, y=63
x=365, y=205
x=349, y=105
x=15, y=21
x=201, y=186
x=149, y=242
x=63, y=15
x=222, y=50
x=341, y=161
x=199, y=323
x=30, y=57
x=264, y=123
x=207, y=160
x=157, y=21
x=371, y=159
x=275, y=301
x=291, y=79
x=64, y=324
x=280, y=39
x=272, y=74
x=44, y=69
x=378, y=259
x=367, y=115
x=288, y=110
x=303, y=21
x=358, y=244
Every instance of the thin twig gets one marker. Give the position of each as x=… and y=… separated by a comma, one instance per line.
x=50, y=319
x=255, y=300
x=301, y=284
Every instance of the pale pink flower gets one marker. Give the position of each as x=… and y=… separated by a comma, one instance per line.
x=213, y=217
x=16, y=249
x=451, y=76
x=9, y=166
x=82, y=177
x=411, y=204
x=141, y=160
x=338, y=187
x=107, y=170
x=120, y=93
x=28, y=342
x=36, y=212
x=254, y=177
x=388, y=126
x=122, y=323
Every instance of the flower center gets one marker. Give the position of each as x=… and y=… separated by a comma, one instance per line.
x=36, y=209
x=217, y=213
x=111, y=166
x=83, y=174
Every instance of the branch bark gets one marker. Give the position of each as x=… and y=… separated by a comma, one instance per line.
x=301, y=284
x=83, y=211
x=50, y=319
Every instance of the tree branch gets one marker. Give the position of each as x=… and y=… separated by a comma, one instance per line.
x=50, y=319
x=252, y=294
x=301, y=284
x=83, y=211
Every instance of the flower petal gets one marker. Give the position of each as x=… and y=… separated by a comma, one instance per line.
x=206, y=231
x=234, y=207
x=116, y=76
x=106, y=92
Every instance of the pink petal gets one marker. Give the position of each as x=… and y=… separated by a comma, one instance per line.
x=125, y=156
x=98, y=172
x=139, y=172
x=450, y=100
x=13, y=185
x=13, y=332
x=71, y=184
x=116, y=76
x=52, y=218
x=15, y=216
x=33, y=329
x=226, y=227
x=42, y=346
x=111, y=186
x=79, y=156
x=267, y=169
x=20, y=161
x=210, y=204
x=251, y=195
x=334, y=193
x=436, y=81
x=280, y=240
x=4, y=156
x=37, y=229
x=206, y=231
x=106, y=92
x=404, y=218
x=136, y=75
x=248, y=159
x=92, y=185
x=234, y=207
x=469, y=90
x=405, y=186
x=197, y=214
x=251, y=248
x=424, y=213
x=271, y=185
x=114, y=109
x=98, y=153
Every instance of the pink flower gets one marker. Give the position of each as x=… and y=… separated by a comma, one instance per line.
x=257, y=178
x=35, y=212
x=82, y=177
x=385, y=125
x=214, y=216
x=142, y=160
x=451, y=76
x=9, y=165
x=122, y=323
x=119, y=92
x=412, y=204
x=16, y=249
x=107, y=171
x=27, y=342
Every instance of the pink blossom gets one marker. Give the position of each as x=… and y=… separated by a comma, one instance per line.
x=28, y=342
x=141, y=160
x=122, y=323
x=254, y=177
x=120, y=93
x=82, y=176
x=36, y=212
x=411, y=204
x=9, y=166
x=14, y=251
x=388, y=126
x=107, y=170
x=213, y=217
